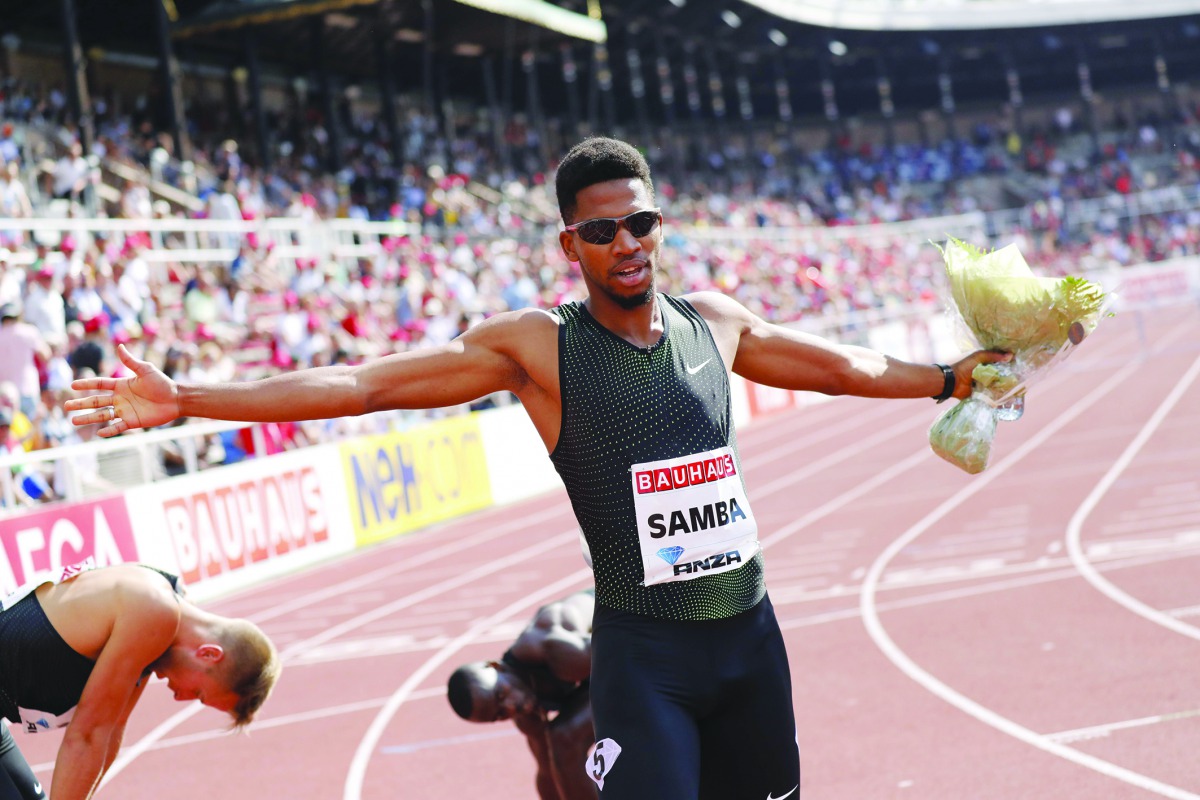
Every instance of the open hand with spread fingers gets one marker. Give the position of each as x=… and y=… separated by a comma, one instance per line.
x=147, y=399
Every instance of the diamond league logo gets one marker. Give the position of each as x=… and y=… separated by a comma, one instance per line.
x=670, y=554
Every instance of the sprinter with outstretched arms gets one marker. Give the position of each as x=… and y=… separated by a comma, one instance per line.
x=629, y=390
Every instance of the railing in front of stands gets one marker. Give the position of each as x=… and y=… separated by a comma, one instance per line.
x=219, y=241
x=104, y=466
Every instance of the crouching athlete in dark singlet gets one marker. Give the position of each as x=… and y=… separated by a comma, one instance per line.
x=629, y=390
x=78, y=652
x=541, y=684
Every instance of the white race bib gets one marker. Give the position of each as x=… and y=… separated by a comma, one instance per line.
x=69, y=571
x=693, y=516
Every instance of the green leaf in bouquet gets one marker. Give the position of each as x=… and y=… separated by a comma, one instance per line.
x=1009, y=308
x=996, y=379
x=963, y=435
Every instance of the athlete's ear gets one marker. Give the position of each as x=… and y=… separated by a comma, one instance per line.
x=210, y=652
x=567, y=242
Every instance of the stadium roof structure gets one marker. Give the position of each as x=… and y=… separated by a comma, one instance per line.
x=932, y=15
x=461, y=49
x=231, y=14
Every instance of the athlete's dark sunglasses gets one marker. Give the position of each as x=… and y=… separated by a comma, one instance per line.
x=603, y=230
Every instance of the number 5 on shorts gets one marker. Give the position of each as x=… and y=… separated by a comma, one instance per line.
x=600, y=759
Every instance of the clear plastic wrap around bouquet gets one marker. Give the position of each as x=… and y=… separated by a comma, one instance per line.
x=1004, y=306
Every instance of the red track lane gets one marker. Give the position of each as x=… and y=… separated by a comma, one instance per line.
x=944, y=645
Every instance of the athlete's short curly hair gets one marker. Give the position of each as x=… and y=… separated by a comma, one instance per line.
x=459, y=690
x=596, y=160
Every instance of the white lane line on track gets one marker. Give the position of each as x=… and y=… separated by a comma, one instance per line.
x=1101, y=731
x=878, y=634
x=366, y=747
x=789, y=479
x=932, y=598
x=1075, y=526
x=560, y=539
x=127, y=755
x=811, y=437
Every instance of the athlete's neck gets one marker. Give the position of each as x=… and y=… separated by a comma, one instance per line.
x=641, y=326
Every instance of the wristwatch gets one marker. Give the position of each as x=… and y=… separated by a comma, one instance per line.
x=950, y=382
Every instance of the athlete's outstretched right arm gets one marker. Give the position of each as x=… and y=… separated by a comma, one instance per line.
x=490, y=357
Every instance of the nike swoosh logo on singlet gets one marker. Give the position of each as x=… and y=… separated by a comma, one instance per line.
x=693, y=371
x=782, y=796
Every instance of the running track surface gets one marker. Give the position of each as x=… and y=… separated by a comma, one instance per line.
x=1029, y=632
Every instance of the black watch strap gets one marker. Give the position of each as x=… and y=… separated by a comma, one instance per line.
x=950, y=382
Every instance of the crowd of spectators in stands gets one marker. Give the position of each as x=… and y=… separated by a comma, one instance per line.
x=65, y=303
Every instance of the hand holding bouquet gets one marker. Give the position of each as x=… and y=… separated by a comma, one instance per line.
x=1006, y=307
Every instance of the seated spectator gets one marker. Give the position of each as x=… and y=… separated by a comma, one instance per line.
x=20, y=345
x=14, y=202
x=44, y=306
x=12, y=279
x=71, y=174
x=92, y=353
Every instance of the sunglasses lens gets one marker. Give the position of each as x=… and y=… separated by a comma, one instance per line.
x=641, y=223
x=598, y=231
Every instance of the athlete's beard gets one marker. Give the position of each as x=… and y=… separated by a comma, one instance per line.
x=630, y=302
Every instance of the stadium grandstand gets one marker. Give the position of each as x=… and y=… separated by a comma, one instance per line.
x=246, y=187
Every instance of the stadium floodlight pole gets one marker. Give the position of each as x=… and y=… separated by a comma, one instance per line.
x=1162, y=77
x=164, y=15
x=604, y=82
x=11, y=44
x=637, y=83
x=829, y=96
x=1016, y=100
x=946, y=88
x=325, y=87
x=666, y=95
x=783, y=91
x=254, y=89
x=887, y=106
x=429, y=67
x=77, y=89
x=507, y=88
x=1088, y=95
x=666, y=87
x=387, y=82
x=533, y=99
x=691, y=80
x=570, y=71
x=495, y=112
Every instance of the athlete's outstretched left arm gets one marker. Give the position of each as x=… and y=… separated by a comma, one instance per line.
x=777, y=356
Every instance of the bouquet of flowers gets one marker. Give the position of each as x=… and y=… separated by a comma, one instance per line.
x=1005, y=306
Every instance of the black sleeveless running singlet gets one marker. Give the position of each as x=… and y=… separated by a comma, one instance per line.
x=648, y=454
x=38, y=670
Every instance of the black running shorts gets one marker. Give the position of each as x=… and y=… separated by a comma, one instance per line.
x=687, y=710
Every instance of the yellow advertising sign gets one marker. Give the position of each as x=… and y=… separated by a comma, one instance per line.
x=399, y=482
